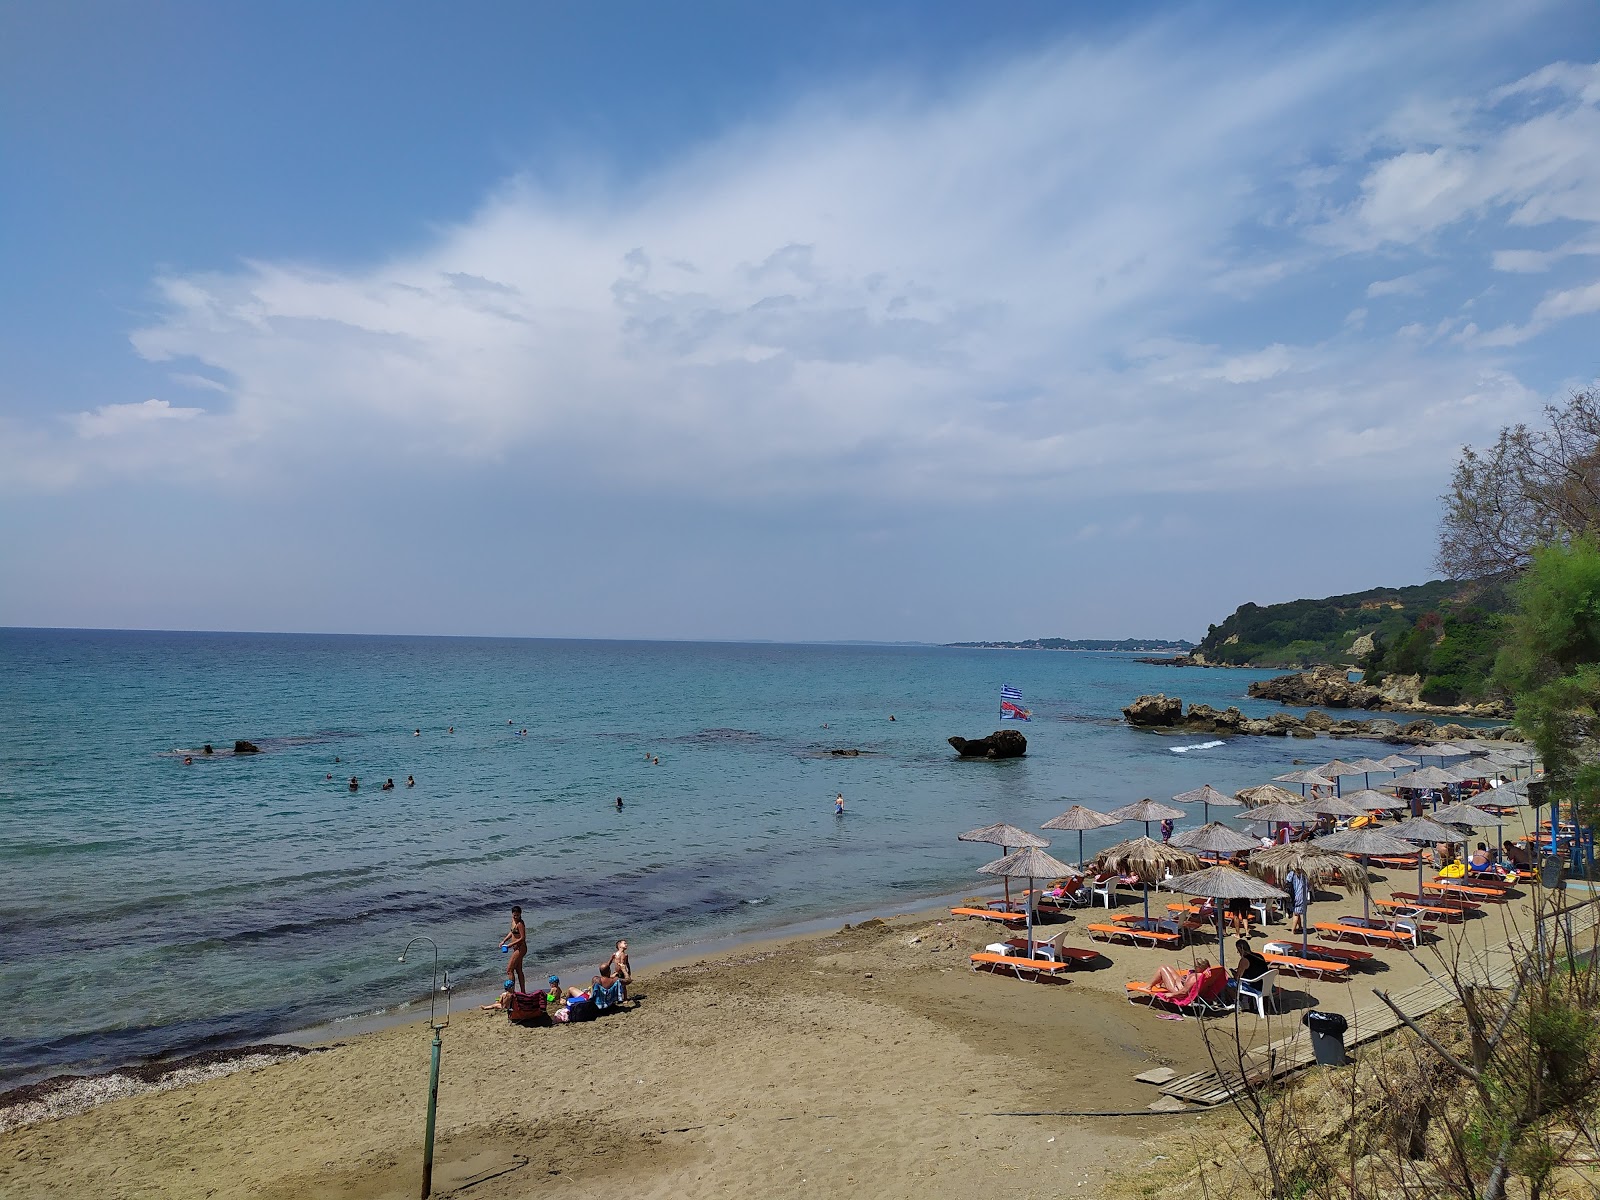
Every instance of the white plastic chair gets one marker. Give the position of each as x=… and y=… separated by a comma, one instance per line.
x=1411, y=928
x=1261, y=992
x=1106, y=890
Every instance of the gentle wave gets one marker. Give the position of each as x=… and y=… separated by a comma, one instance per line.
x=1196, y=746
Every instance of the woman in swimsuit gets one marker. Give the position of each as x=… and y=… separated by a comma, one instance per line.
x=517, y=939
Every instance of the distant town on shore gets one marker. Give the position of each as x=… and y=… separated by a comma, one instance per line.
x=1141, y=645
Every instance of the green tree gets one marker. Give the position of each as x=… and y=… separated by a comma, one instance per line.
x=1550, y=663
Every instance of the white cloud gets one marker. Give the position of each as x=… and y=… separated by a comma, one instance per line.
x=1404, y=285
x=114, y=420
x=882, y=292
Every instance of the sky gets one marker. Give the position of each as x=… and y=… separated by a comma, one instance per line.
x=901, y=321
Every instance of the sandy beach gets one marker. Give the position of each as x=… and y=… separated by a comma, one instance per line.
x=867, y=1061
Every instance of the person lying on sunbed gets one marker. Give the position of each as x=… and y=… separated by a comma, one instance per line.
x=1174, y=981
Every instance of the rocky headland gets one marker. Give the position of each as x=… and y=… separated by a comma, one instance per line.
x=1330, y=687
x=1168, y=713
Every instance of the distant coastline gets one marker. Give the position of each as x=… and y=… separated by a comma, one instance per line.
x=1128, y=645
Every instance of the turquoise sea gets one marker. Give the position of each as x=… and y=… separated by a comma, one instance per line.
x=150, y=907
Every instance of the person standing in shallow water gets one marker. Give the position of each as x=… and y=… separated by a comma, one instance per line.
x=517, y=940
x=838, y=805
x=619, y=803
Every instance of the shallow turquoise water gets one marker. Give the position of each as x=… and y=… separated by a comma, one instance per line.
x=150, y=906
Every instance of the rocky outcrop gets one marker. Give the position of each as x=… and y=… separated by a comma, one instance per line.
x=1167, y=713
x=242, y=747
x=1330, y=687
x=845, y=753
x=1002, y=743
x=1158, y=711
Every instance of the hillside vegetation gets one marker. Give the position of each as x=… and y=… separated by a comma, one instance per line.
x=1446, y=632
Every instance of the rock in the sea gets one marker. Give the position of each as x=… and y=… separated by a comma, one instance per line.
x=1319, y=721
x=845, y=753
x=242, y=747
x=1327, y=687
x=1157, y=711
x=1002, y=743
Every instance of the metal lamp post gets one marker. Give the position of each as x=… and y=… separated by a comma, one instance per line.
x=433, y=1077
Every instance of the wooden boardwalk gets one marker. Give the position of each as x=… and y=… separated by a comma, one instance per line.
x=1495, y=968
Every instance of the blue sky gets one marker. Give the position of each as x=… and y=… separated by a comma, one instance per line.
x=896, y=321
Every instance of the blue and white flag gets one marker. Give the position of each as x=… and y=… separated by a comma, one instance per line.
x=1011, y=705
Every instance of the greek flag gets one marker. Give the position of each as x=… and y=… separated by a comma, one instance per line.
x=1011, y=705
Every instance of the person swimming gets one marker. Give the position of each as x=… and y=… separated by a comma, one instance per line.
x=388, y=786
x=187, y=761
x=619, y=803
x=411, y=781
x=838, y=805
x=355, y=784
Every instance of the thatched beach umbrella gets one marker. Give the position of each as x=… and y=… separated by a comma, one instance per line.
x=1335, y=806
x=1302, y=778
x=1146, y=810
x=1369, y=799
x=1422, y=831
x=1148, y=860
x=1205, y=795
x=1005, y=836
x=1367, y=766
x=1467, y=815
x=1365, y=842
x=1316, y=864
x=1215, y=838
x=1396, y=762
x=1080, y=818
x=1335, y=770
x=1224, y=883
x=1266, y=793
x=1281, y=814
x=1029, y=863
x=1424, y=777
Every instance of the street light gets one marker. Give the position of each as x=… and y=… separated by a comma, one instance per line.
x=433, y=1080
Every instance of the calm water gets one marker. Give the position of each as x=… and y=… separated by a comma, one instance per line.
x=148, y=906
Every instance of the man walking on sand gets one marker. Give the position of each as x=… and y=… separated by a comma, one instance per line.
x=517, y=940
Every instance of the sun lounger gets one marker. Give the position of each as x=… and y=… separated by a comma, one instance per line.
x=1207, y=992
x=1314, y=968
x=1152, y=937
x=1023, y=968
x=1340, y=954
x=991, y=914
x=1367, y=935
x=1399, y=862
x=1449, y=887
x=1054, y=948
x=1422, y=908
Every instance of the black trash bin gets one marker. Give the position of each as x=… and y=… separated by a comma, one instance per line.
x=1327, y=1037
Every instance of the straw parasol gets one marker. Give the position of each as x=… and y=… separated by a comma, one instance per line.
x=1281, y=814
x=1215, y=838
x=1370, y=799
x=1335, y=806
x=1316, y=864
x=1395, y=762
x=1425, y=777
x=1080, y=818
x=1005, y=836
x=1335, y=769
x=1422, y=831
x=1146, y=810
x=1460, y=813
x=1365, y=842
x=1205, y=795
x=1147, y=859
x=1302, y=778
x=1224, y=883
x=1367, y=766
x=1029, y=863
x=1267, y=793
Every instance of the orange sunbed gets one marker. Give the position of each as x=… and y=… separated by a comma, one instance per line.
x=1072, y=954
x=1397, y=861
x=992, y=914
x=1317, y=968
x=1156, y=937
x=1366, y=935
x=1039, y=968
x=1437, y=912
x=1449, y=887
